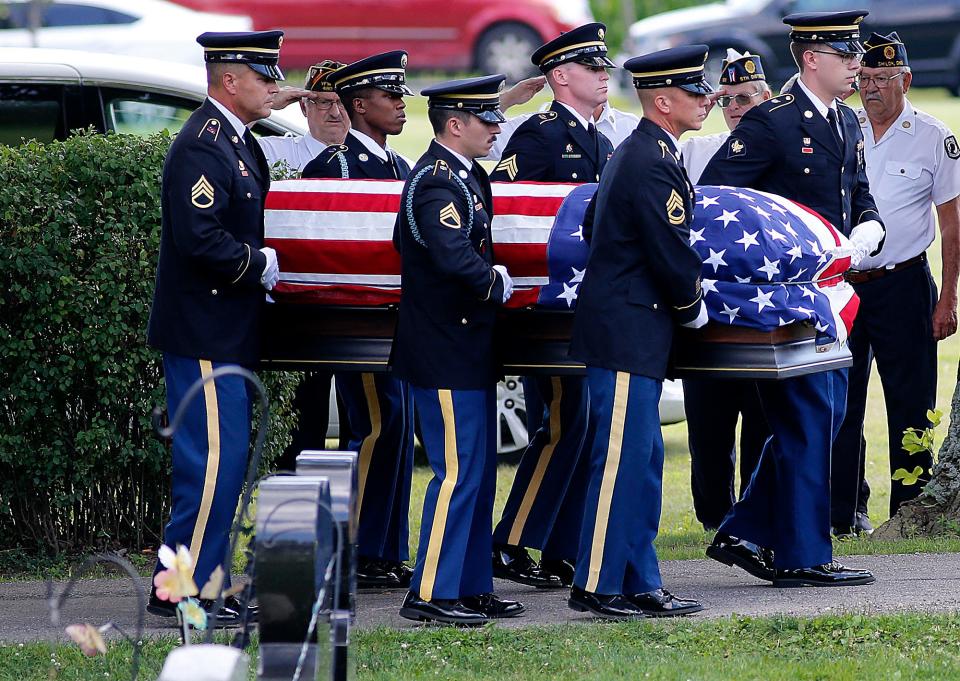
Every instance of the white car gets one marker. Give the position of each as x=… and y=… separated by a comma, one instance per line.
x=146, y=28
x=44, y=94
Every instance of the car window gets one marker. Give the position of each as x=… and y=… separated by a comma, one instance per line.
x=827, y=5
x=67, y=14
x=29, y=111
x=145, y=113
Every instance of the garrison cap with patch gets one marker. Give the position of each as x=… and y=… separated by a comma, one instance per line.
x=674, y=67
x=583, y=45
x=884, y=51
x=318, y=77
x=260, y=50
x=740, y=68
x=386, y=71
x=839, y=30
x=479, y=96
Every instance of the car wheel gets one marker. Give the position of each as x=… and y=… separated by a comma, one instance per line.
x=512, y=436
x=506, y=49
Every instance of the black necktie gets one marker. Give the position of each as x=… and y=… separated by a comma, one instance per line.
x=254, y=147
x=592, y=130
x=834, y=127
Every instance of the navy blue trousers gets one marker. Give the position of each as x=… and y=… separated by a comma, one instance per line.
x=546, y=500
x=786, y=506
x=894, y=326
x=622, y=510
x=380, y=417
x=712, y=407
x=210, y=452
x=459, y=434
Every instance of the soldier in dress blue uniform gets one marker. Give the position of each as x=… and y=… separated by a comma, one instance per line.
x=212, y=276
x=642, y=279
x=545, y=504
x=805, y=146
x=444, y=350
x=377, y=406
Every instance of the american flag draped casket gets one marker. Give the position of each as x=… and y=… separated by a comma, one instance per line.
x=769, y=263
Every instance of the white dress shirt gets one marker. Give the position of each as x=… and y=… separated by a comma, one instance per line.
x=697, y=152
x=295, y=151
x=910, y=172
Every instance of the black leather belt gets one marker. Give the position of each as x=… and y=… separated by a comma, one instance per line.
x=861, y=276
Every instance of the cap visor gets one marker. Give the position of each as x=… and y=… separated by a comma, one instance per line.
x=271, y=71
x=395, y=89
x=701, y=87
x=603, y=62
x=490, y=116
x=848, y=46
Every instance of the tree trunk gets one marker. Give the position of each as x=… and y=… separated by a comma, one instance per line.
x=937, y=510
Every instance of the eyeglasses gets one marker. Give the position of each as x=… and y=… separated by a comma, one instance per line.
x=723, y=101
x=321, y=105
x=846, y=58
x=881, y=82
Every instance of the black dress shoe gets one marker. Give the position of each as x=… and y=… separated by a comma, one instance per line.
x=375, y=573
x=440, y=610
x=493, y=606
x=228, y=616
x=828, y=574
x=562, y=569
x=732, y=551
x=403, y=572
x=610, y=607
x=862, y=524
x=515, y=564
x=662, y=603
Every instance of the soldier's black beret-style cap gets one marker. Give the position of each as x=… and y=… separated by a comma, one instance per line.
x=386, y=71
x=884, y=50
x=680, y=67
x=479, y=96
x=839, y=30
x=583, y=45
x=740, y=68
x=260, y=50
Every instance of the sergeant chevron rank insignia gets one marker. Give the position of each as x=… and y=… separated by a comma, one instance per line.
x=201, y=194
x=676, y=212
x=509, y=166
x=449, y=216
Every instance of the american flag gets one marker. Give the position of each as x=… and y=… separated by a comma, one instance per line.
x=769, y=262
x=334, y=240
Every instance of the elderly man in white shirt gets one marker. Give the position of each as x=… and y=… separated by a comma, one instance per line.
x=912, y=164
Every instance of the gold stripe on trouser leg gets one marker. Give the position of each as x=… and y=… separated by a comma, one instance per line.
x=451, y=464
x=607, y=485
x=370, y=441
x=530, y=495
x=213, y=460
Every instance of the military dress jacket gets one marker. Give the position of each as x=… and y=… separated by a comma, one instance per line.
x=553, y=146
x=208, y=298
x=450, y=291
x=352, y=159
x=642, y=275
x=785, y=147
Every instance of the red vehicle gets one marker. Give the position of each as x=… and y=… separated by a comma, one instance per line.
x=490, y=36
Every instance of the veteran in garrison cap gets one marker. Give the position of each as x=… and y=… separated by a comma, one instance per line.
x=805, y=146
x=913, y=164
x=561, y=144
x=212, y=276
x=377, y=406
x=642, y=280
x=443, y=349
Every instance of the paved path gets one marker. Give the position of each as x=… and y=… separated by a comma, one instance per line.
x=926, y=582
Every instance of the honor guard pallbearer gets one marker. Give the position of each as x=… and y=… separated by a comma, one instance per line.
x=444, y=350
x=805, y=146
x=545, y=504
x=377, y=406
x=642, y=279
x=212, y=276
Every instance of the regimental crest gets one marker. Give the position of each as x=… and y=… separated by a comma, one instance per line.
x=600, y=33
x=211, y=127
x=676, y=211
x=509, y=166
x=201, y=194
x=951, y=147
x=736, y=147
x=450, y=216
x=547, y=116
x=569, y=147
x=403, y=61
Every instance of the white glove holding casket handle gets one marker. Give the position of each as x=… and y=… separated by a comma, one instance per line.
x=507, y=282
x=271, y=271
x=865, y=238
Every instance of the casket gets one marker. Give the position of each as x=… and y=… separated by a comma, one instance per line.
x=336, y=304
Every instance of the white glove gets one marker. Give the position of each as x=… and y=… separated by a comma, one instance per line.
x=701, y=319
x=271, y=271
x=865, y=238
x=507, y=281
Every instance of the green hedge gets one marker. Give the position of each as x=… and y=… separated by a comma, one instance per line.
x=79, y=235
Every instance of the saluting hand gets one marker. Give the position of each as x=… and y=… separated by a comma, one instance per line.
x=522, y=92
x=288, y=95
